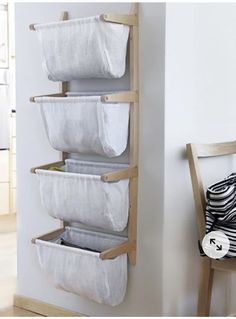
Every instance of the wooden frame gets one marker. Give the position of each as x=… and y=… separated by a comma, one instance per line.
x=121, y=97
x=134, y=134
x=129, y=172
x=47, y=166
x=49, y=236
x=131, y=96
x=110, y=253
x=127, y=19
x=131, y=19
x=208, y=265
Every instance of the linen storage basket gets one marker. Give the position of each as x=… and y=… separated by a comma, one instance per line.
x=83, y=124
x=78, y=194
x=81, y=271
x=83, y=48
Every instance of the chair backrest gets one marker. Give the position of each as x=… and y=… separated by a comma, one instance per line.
x=194, y=152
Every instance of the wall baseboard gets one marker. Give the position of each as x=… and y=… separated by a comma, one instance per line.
x=43, y=308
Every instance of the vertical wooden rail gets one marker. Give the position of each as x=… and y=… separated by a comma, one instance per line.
x=134, y=133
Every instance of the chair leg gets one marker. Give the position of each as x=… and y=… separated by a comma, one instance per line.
x=205, y=288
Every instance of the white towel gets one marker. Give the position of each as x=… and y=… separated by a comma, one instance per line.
x=85, y=124
x=83, y=48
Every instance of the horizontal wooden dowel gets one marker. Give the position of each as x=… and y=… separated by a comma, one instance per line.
x=32, y=99
x=48, y=236
x=127, y=19
x=118, y=250
x=47, y=166
x=223, y=265
x=125, y=97
x=120, y=174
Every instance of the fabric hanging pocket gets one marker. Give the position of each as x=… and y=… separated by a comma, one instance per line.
x=83, y=48
x=80, y=270
x=77, y=194
x=83, y=124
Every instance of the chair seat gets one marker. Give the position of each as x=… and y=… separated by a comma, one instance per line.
x=224, y=265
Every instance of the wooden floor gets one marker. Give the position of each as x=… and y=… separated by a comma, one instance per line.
x=7, y=223
x=7, y=262
x=17, y=312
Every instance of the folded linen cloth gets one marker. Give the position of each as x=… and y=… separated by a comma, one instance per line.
x=221, y=210
x=83, y=48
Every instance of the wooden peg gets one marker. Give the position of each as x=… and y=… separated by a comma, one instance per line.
x=127, y=19
x=122, y=97
x=118, y=250
x=125, y=173
x=47, y=166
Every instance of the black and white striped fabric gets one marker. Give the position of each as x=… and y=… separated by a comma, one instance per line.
x=221, y=210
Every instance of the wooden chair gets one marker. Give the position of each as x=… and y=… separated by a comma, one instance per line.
x=208, y=265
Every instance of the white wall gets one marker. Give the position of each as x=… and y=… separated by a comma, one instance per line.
x=200, y=76
x=144, y=294
x=200, y=99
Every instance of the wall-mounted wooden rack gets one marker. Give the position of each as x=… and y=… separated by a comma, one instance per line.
x=110, y=253
x=125, y=173
x=120, y=97
x=127, y=19
x=132, y=97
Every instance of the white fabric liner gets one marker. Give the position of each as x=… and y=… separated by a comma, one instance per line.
x=83, y=272
x=83, y=124
x=83, y=48
x=79, y=194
